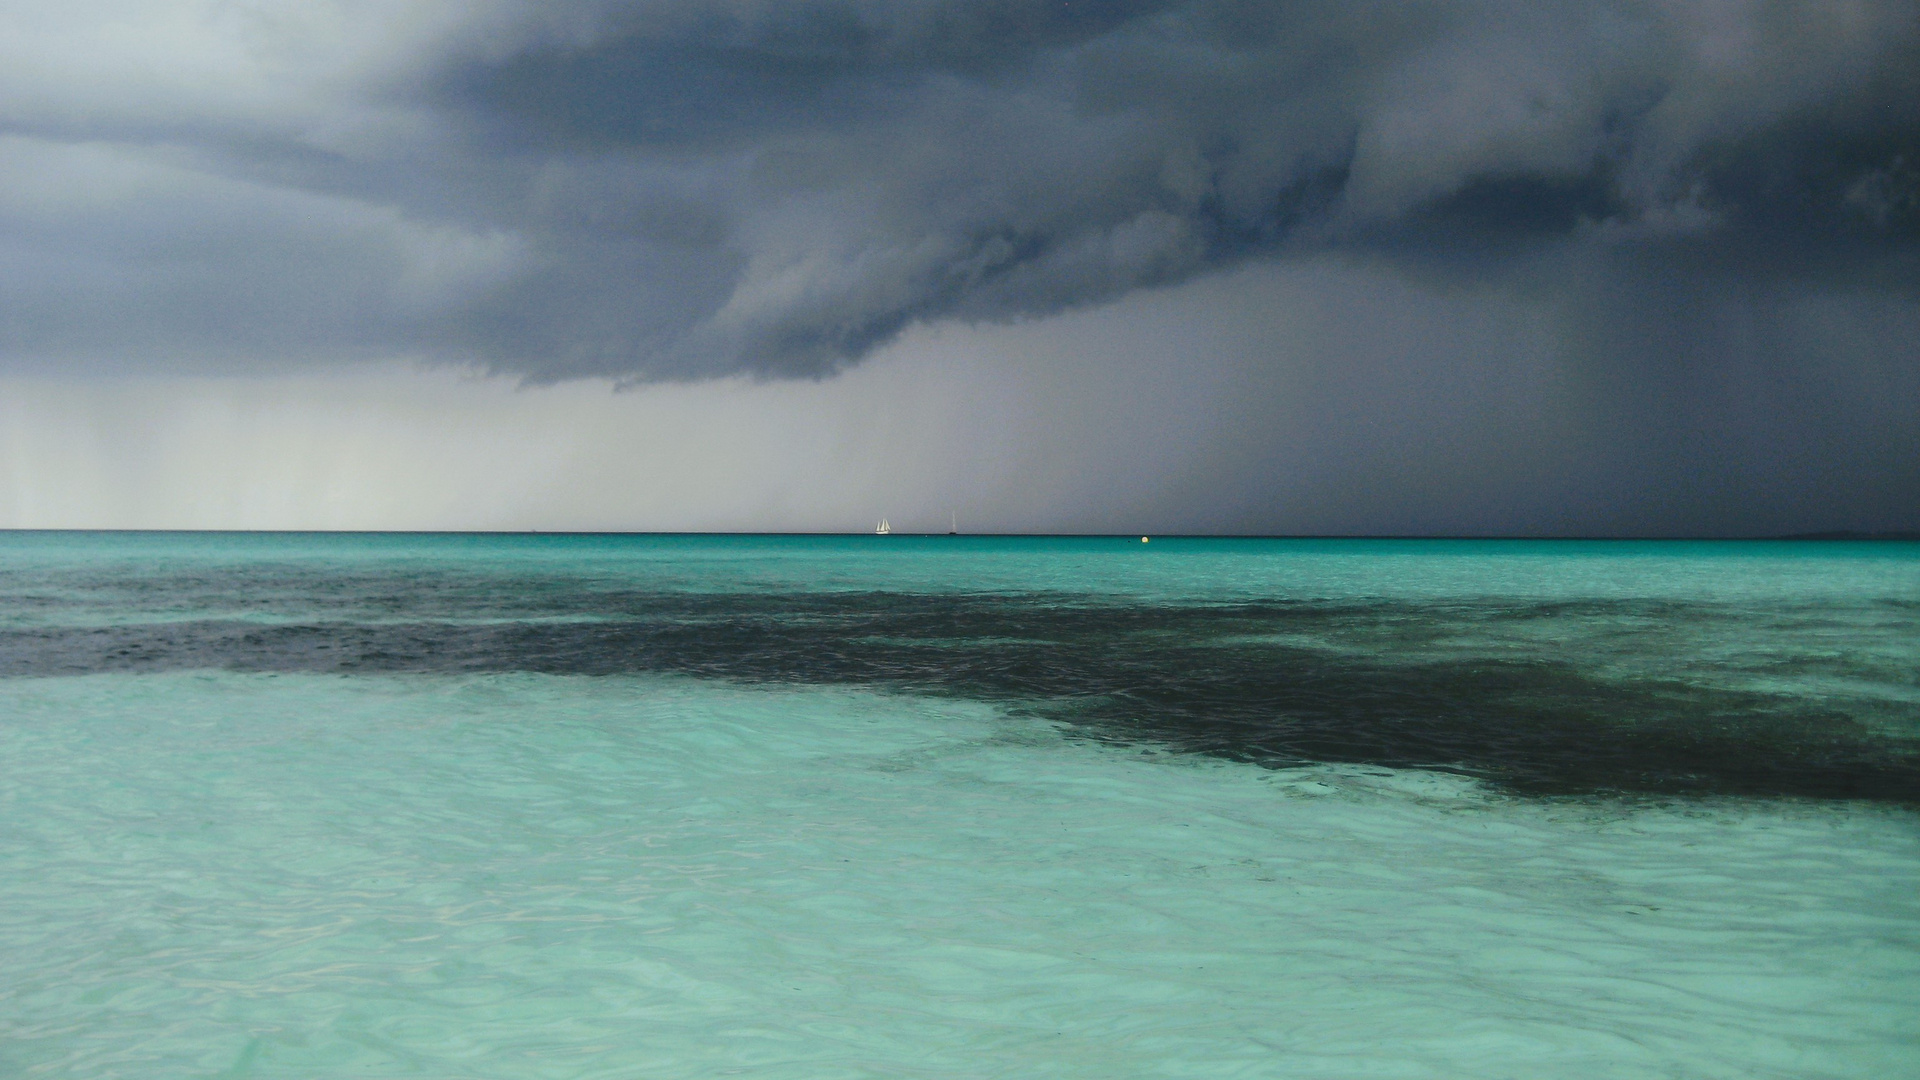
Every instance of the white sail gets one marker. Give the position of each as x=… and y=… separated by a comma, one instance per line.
x=883, y=528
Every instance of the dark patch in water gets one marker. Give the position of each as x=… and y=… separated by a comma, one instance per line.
x=1381, y=683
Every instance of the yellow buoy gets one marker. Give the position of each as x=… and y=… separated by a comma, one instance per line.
x=1143, y=539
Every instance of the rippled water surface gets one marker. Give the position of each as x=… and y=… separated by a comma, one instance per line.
x=298, y=806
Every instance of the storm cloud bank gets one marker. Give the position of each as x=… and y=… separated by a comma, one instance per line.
x=684, y=190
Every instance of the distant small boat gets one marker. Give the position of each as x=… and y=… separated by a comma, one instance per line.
x=883, y=528
x=953, y=523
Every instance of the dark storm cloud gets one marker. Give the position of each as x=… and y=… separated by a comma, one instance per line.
x=688, y=189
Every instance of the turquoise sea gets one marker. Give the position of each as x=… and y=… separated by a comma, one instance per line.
x=503, y=806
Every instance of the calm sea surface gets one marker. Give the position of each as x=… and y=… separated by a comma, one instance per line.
x=697, y=806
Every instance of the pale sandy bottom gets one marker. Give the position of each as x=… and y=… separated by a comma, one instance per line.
x=518, y=876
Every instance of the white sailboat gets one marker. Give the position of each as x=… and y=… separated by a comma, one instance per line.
x=883, y=528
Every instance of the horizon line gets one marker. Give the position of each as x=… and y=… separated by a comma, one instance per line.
x=1826, y=535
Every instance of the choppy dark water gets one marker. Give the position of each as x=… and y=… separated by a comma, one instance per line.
x=1728, y=669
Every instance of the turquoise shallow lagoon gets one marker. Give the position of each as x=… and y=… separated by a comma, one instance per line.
x=821, y=807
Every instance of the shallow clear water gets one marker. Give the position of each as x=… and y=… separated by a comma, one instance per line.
x=570, y=807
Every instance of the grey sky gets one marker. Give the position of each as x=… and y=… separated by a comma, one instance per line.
x=1666, y=252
